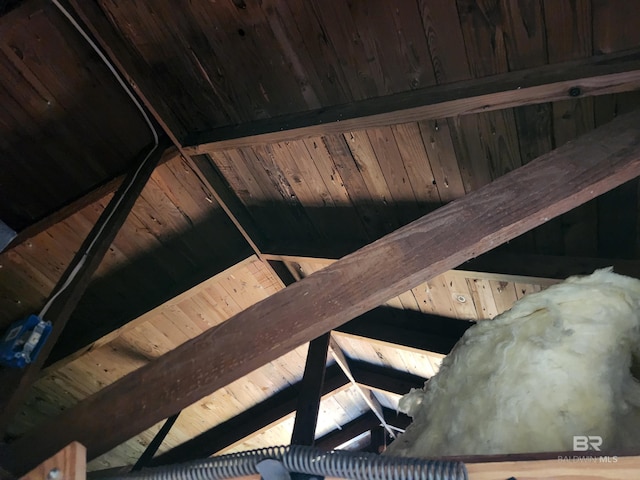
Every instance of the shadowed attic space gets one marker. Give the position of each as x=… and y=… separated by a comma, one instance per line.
x=264, y=188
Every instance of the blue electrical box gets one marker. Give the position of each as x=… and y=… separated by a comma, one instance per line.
x=23, y=341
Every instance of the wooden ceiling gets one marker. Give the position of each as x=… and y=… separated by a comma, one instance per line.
x=261, y=190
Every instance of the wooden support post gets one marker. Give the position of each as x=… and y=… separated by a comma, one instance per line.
x=465, y=228
x=378, y=440
x=304, y=427
x=76, y=278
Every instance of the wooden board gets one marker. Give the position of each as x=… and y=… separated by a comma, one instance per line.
x=69, y=464
x=498, y=92
x=67, y=125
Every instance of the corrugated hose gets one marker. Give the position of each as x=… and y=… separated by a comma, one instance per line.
x=308, y=460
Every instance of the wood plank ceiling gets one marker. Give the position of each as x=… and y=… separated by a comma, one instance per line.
x=179, y=266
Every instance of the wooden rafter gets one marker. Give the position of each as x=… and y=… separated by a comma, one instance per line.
x=600, y=75
x=284, y=403
x=78, y=204
x=75, y=280
x=511, y=205
x=504, y=266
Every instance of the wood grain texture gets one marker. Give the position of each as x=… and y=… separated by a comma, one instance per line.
x=71, y=463
x=595, y=76
x=75, y=280
x=511, y=205
x=67, y=126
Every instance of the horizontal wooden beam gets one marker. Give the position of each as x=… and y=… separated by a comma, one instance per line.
x=599, y=75
x=384, y=379
x=407, y=328
x=465, y=228
x=535, y=269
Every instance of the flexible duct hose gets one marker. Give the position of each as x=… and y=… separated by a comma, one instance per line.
x=343, y=464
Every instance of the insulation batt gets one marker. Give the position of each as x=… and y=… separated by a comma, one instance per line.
x=557, y=364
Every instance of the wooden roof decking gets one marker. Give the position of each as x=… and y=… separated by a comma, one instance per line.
x=214, y=65
x=199, y=309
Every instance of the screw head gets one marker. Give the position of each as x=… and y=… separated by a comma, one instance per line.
x=54, y=474
x=575, y=92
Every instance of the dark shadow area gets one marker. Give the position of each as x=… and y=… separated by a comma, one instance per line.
x=182, y=262
x=165, y=272
x=606, y=227
x=410, y=328
x=68, y=126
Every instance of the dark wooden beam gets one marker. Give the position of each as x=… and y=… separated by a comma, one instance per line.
x=599, y=75
x=155, y=444
x=282, y=404
x=407, y=328
x=75, y=280
x=382, y=378
x=465, y=228
x=360, y=425
x=547, y=266
x=495, y=264
x=250, y=421
x=91, y=196
x=311, y=387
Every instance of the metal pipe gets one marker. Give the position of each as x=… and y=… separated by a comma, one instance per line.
x=312, y=461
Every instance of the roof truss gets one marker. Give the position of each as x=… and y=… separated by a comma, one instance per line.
x=509, y=206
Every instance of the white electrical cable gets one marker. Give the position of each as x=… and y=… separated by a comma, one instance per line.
x=156, y=141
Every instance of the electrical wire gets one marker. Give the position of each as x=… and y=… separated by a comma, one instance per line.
x=156, y=143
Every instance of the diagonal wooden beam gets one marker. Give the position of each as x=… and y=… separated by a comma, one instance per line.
x=465, y=228
x=366, y=394
x=599, y=75
x=91, y=196
x=75, y=280
x=282, y=404
x=140, y=77
x=360, y=425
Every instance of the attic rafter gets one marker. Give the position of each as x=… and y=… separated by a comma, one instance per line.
x=465, y=228
x=503, y=266
x=138, y=74
x=78, y=204
x=74, y=282
x=360, y=425
x=614, y=73
x=283, y=404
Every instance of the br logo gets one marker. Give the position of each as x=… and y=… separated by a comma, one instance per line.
x=583, y=443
